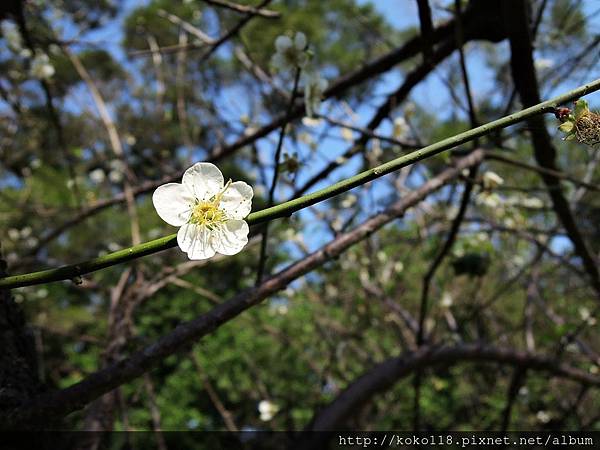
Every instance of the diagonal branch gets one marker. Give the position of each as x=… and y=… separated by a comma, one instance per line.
x=523, y=73
x=60, y=403
x=386, y=374
x=287, y=208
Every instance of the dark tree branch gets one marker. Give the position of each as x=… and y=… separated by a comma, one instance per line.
x=244, y=9
x=262, y=260
x=426, y=30
x=523, y=73
x=63, y=402
x=385, y=375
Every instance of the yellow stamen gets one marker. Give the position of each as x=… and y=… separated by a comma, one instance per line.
x=207, y=213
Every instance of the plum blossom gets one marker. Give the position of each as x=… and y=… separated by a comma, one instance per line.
x=12, y=35
x=209, y=211
x=492, y=180
x=314, y=86
x=41, y=67
x=267, y=410
x=401, y=128
x=290, y=54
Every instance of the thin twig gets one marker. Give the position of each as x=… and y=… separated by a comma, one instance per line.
x=287, y=208
x=265, y=234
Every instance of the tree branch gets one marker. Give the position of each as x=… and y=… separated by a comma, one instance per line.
x=386, y=374
x=60, y=403
x=287, y=208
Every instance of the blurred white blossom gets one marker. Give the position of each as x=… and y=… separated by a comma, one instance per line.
x=492, y=180
x=290, y=53
x=401, y=128
x=267, y=410
x=347, y=134
x=97, y=175
x=349, y=201
x=543, y=63
x=26, y=232
x=314, y=86
x=447, y=300
x=41, y=67
x=13, y=234
x=115, y=176
x=12, y=35
x=311, y=122
x=491, y=200
x=543, y=416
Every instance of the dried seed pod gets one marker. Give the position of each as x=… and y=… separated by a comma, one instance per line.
x=587, y=128
x=582, y=124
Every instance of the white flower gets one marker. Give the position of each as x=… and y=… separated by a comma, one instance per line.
x=13, y=234
x=401, y=128
x=524, y=391
x=586, y=316
x=447, y=300
x=492, y=200
x=267, y=410
x=347, y=134
x=533, y=203
x=310, y=122
x=208, y=211
x=290, y=54
x=41, y=67
x=349, y=201
x=314, y=86
x=492, y=180
x=543, y=63
x=12, y=36
x=115, y=176
x=543, y=416
x=26, y=232
x=97, y=175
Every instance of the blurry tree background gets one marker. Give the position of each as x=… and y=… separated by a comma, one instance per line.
x=102, y=101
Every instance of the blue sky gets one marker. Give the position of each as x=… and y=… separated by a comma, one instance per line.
x=432, y=92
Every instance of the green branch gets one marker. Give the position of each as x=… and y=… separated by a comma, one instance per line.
x=287, y=208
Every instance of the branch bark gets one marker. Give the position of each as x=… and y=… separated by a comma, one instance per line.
x=516, y=15
x=60, y=403
x=386, y=374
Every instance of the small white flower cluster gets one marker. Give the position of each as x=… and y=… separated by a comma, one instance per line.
x=314, y=87
x=492, y=180
x=12, y=36
x=293, y=54
x=587, y=316
x=290, y=54
x=40, y=66
x=209, y=211
x=401, y=128
x=23, y=236
x=267, y=410
x=543, y=64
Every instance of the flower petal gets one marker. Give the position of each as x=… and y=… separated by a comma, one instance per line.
x=300, y=41
x=173, y=203
x=195, y=241
x=282, y=43
x=237, y=200
x=203, y=180
x=231, y=237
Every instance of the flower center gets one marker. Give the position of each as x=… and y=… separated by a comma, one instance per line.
x=207, y=213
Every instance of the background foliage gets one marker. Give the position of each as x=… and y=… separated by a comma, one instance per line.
x=511, y=277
